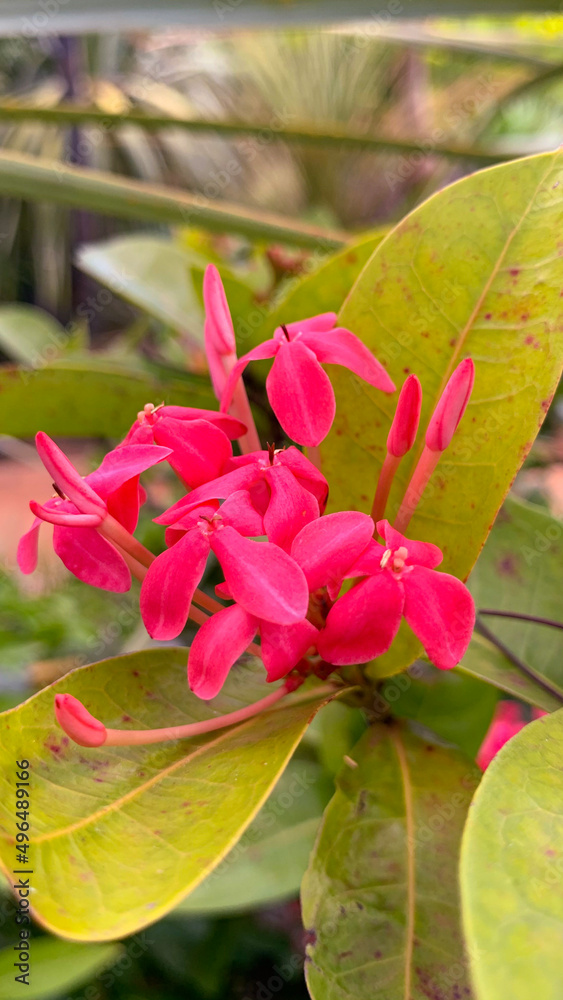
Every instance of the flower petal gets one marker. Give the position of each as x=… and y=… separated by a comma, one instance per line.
x=199, y=449
x=260, y=353
x=239, y=512
x=67, y=477
x=440, y=611
x=507, y=721
x=284, y=645
x=28, y=548
x=341, y=347
x=217, y=489
x=291, y=507
x=92, y=558
x=307, y=473
x=420, y=553
x=217, y=646
x=168, y=588
x=363, y=622
x=315, y=324
x=326, y=549
x=230, y=426
x=123, y=464
x=263, y=578
x=301, y=394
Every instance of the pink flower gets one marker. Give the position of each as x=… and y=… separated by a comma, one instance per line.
x=199, y=440
x=225, y=636
x=299, y=390
x=284, y=488
x=113, y=489
x=507, y=721
x=324, y=549
x=400, y=582
x=260, y=576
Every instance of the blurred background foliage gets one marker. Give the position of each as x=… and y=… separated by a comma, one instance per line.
x=100, y=311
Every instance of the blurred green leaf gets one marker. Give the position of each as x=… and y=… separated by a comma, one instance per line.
x=268, y=862
x=511, y=866
x=121, y=834
x=88, y=398
x=151, y=272
x=380, y=896
x=30, y=335
x=474, y=271
x=56, y=967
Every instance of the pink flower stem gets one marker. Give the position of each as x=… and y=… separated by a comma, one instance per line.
x=137, y=737
x=418, y=483
x=384, y=483
x=240, y=408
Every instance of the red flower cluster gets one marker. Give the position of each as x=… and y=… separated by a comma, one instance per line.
x=261, y=513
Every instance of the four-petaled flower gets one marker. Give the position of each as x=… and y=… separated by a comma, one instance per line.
x=399, y=580
x=298, y=388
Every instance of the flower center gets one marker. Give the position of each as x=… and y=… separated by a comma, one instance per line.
x=394, y=560
x=149, y=413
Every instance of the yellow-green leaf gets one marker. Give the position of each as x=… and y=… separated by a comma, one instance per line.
x=511, y=865
x=121, y=835
x=475, y=270
x=67, y=398
x=380, y=897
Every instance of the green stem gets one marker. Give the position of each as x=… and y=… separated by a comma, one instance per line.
x=331, y=135
x=35, y=179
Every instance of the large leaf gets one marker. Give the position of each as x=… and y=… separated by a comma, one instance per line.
x=521, y=570
x=56, y=968
x=87, y=399
x=475, y=271
x=268, y=862
x=121, y=835
x=380, y=897
x=35, y=179
x=512, y=858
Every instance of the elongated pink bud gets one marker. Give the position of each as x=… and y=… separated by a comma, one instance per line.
x=54, y=516
x=66, y=477
x=405, y=422
x=451, y=407
x=218, y=322
x=78, y=723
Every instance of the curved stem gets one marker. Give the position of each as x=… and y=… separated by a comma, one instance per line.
x=523, y=667
x=418, y=483
x=519, y=616
x=136, y=737
x=386, y=476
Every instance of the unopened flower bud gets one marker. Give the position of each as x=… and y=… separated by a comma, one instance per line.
x=405, y=422
x=218, y=322
x=78, y=723
x=451, y=407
